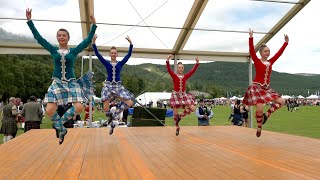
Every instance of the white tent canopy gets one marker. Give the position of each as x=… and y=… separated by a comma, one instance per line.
x=313, y=96
x=183, y=35
x=146, y=97
x=96, y=99
x=301, y=97
x=234, y=97
x=286, y=96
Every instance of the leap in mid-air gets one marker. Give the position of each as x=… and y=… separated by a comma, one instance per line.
x=113, y=87
x=179, y=97
x=65, y=88
x=260, y=92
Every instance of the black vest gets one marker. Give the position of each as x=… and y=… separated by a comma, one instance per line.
x=204, y=111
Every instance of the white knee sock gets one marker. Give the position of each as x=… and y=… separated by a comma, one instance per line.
x=4, y=139
x=9, y=138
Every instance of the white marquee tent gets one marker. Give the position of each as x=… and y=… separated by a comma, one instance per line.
x=146, y=97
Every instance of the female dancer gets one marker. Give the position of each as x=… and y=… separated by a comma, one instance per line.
x=65, y=88
x=179, y=97
x=112, y=86
x=260, y=92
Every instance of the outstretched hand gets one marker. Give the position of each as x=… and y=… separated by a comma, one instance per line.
x=128, y=39
x=197, y=59
x=250, y=32
x=28, y=14
x=169, y=57
x=286, y=38
x=94, y=38
x=93, y=19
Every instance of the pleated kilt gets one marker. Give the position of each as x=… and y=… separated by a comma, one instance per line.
x=9, y=127
x=112, y=90
x=31, y=125
x=181, y=99
x=62, y=92
x=258, y=94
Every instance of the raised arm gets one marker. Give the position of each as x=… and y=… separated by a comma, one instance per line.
x=86, y=42
x=44, y=43
x=279, y=53
x=193, y=70
x=126, y=58
x=172, y=74
x=101, y=59
x=251, y=47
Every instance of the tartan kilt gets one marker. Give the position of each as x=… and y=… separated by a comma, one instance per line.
x=181, y=99
x=112, y=90
x=257, y=94
x=9, y=127
x=31, y=125
x=61, y=92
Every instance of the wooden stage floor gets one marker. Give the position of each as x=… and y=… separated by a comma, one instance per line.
x=215, y=152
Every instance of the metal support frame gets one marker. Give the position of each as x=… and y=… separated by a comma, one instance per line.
x=250, y=82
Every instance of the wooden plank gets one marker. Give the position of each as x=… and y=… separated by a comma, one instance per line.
x=137, y=160
x=50, y=146
x=88, y=159
x=282, y=154
x=156, y=165
x=125, y=160
x=258, y=156
x=16, y=162
x=199, y=162
x=70, y=168
x=17, y=145
x=53, y=162
x=227, y=152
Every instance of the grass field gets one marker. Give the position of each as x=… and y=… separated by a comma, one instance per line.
x=303, y=122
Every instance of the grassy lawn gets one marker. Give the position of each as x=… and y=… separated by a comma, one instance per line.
x=303, y=122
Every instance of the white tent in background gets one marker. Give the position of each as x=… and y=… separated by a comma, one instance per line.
x=96, y=99
x=146, y=97
x=301, y=97
x=313, y=96
x=234, y=97
x=285, y=97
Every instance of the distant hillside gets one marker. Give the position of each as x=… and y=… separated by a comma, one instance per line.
x=226, y=76
x=10, y=37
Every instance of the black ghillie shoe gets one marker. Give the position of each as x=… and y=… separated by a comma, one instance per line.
x=265, y=118
x=61, y=136
x=258, y=133
x=57, y=130
x=177, y=131
x=112, y=128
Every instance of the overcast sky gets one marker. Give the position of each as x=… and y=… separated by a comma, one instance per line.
x=301, y=56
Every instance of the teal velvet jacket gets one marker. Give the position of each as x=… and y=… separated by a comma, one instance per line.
x=70, y=57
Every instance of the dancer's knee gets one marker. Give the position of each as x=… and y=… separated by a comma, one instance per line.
x=129, y=103
x=51, y=109
x=78, y=107
x=259, y=113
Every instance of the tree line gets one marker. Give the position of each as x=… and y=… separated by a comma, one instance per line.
x=26, y=75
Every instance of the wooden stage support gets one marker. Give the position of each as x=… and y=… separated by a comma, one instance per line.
x=215, y=152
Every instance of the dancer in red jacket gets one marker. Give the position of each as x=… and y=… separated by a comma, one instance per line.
x=260, y=92
x=179, y=97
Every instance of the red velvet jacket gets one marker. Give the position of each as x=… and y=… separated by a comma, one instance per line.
x=179, y=84
x=263, y=71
